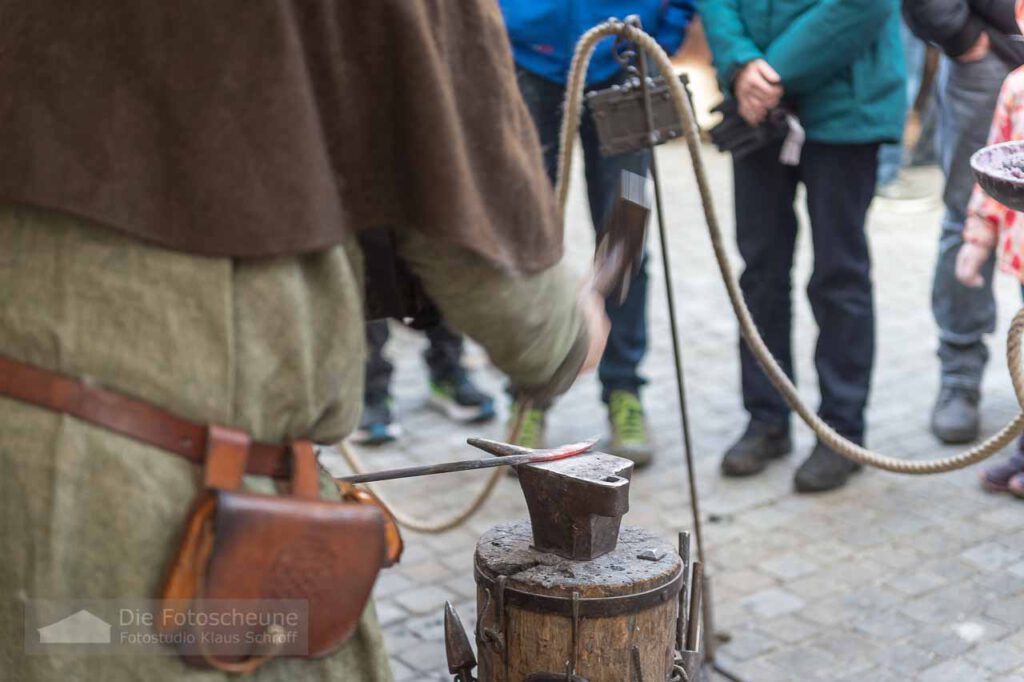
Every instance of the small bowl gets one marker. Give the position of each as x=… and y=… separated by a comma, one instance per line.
x=997, y=168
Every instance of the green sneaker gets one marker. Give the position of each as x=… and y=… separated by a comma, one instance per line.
x=531, y=435
x=629, y=428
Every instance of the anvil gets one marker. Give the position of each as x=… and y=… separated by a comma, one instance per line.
x=576, y=505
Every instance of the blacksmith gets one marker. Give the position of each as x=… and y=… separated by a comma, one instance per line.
x=180, y=192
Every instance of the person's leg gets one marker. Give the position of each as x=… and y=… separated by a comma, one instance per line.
x=892, y=156
x=378, y=368
x=890, y=161
x=627, y=339
x=840, y=181
x=1006, y=476
x=766, y=229
x=966, y=96
x=544, y=102
x=444, y=353
x=377, y=425
x=451, y=389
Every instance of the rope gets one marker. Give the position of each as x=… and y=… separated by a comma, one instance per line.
x=460, y=516
x=778, y=378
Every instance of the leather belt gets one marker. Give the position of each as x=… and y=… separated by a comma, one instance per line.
x=127, y=416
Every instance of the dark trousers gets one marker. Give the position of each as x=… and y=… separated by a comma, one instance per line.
x=840, y=182
x=443, y=356
x=627, y=341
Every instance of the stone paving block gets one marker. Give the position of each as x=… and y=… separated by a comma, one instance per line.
x=1010, y=612
x=915, y=583
x=743, y=582
x=789, y=566
x=1006, y=517
x=423, y=600
x=953, y=671
x=403, y=673
x=990, y=555
x=427, y=656
x=787, y=629
x=905, y=659
x=772, y=602
x=391, y=581
x=944, y=643
x=804, y=663
x=427, y=572
x=758, y=669
x=815, y=586
x=746, y=644
x=980, y=630
x=886, y=626
x=999, y=657
x=388, y=612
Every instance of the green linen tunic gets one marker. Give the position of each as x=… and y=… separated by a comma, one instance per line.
x=272, y=346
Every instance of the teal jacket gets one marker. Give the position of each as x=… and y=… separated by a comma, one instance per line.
x=841, y=61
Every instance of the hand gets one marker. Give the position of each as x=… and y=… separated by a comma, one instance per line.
x=977, y=51
x=752, y=112
x=596, y=321
x=758, y=84
x=970, y=259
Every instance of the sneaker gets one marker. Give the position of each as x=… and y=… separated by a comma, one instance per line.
x=377, y=425
x=629, y=428
x=758, y=445
x=460, y=400
x=823, y=470
x=955, y=417
x=532, y=433
x=996, y=477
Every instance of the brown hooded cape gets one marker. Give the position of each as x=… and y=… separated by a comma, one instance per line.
x=253, y=128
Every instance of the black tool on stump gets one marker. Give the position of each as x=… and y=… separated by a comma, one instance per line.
x=640, y=115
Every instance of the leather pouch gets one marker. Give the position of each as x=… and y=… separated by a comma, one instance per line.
x=259, y=555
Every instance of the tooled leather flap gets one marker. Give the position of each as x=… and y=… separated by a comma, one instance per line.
x=326, y=553
x=227, y=451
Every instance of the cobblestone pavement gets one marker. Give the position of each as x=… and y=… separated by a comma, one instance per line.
x=892, y=578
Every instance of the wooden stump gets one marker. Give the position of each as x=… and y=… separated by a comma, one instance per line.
x=623, y=601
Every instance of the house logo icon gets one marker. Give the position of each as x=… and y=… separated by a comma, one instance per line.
x=81, y=627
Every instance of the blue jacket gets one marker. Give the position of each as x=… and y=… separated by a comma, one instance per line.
x=841, y=61
x=544, y=32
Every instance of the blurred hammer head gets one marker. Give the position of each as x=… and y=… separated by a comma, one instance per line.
x=621, y=248
x=576, y=505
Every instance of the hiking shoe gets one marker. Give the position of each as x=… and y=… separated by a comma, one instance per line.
x=955, y=418
x=823, y=470
x=629, y=428
x=758, y=445
x=377, y=425
x=460, y=400
x=531, y=435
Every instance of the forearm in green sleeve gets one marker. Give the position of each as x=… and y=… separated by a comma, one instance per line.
x=731, y=46
x=530, y=325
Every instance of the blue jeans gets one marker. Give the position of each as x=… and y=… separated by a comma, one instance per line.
x=890, y=156
x=966, y=97
x=627, y=341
